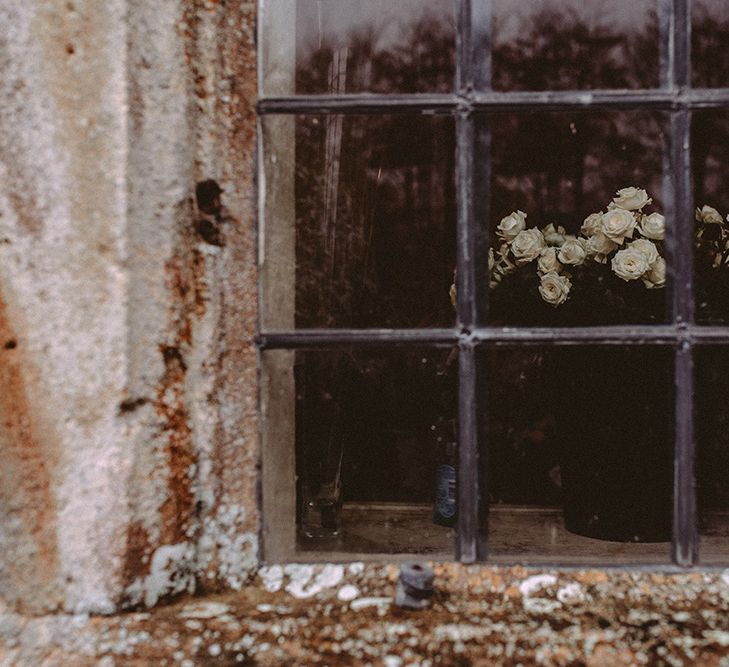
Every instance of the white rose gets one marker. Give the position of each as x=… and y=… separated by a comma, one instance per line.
x=631, y=199
x=548, y=261
x=656, y=276
x=708, y=214
x=599, y=247
x=554, y=236
x=554, y=288
x=653, y=226
x=511, y=225
x=630, y=264
x=617, y=224
x=592, y=224
x=573, y=252
x=527, y=245
x=648, y=248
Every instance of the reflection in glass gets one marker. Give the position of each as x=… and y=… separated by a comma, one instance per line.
x=580, y=453
x=574, y=44
x=374, y=436
x=710, y=167
x=369, y=220
x=710, y=43
x=576, y=229
x=350, y=46
x=712, y=457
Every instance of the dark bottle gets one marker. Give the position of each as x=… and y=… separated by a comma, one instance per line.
x=443, y=431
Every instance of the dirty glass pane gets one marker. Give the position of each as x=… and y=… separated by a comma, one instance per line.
x=576, y=225
x=574, y=44
x=359, y=221
x=710, y=170
x=710, y=43
x=355, y=46
x=712, y=457
x=375, y=447
x=580, y=453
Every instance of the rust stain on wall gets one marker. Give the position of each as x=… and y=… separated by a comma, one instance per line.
x=138, y=550
x=186, y=282
x=179, y=506
x=26, y=491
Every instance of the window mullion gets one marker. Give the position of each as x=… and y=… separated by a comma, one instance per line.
x=685, y=540
x=468, y=547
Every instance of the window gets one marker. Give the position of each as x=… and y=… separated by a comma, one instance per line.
x=569, y=405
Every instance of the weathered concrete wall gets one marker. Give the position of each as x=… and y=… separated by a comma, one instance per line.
x=127, y=308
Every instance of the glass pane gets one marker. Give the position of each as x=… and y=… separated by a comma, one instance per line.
x=351, y=46
x=580, y=453
x=710, y=165
x=359, y=221
x=574, y=44
x=576, y=227
x=712, y=458
x=373, y=433
x=710, y=43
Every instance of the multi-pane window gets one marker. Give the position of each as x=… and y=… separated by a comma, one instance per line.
x=494, y=262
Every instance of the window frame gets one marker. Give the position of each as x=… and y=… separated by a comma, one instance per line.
x=471, y=332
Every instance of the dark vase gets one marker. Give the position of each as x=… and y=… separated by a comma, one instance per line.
x=616, y=443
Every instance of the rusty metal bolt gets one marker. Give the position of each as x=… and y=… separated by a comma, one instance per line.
x=415, y=586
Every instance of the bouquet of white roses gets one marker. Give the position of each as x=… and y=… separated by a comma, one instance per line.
x=624, y=236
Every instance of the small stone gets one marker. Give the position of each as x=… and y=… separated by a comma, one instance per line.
x=392, y=661
x=330, y=576
x=361, y=603
x=348, y=592
x=540, y=605
x=214, y=650
x=356, y=568
x=571, y=593
x=532, y=584
x=205, y=610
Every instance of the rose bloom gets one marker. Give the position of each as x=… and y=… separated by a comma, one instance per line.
x=656, y=276
x=631, y=199
x=630, y=264
x=554, y=288
x=653, y=226
x=552, y=236
x=599, y=247
x=527, y=245
x=617, y=224
x=573, y=252
x=592, y=224
x=511, y=225
x=708, y=214
x=648, y=248
x=548, y=261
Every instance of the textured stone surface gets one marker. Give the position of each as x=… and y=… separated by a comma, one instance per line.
x=128, y=405
x=480, y=616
